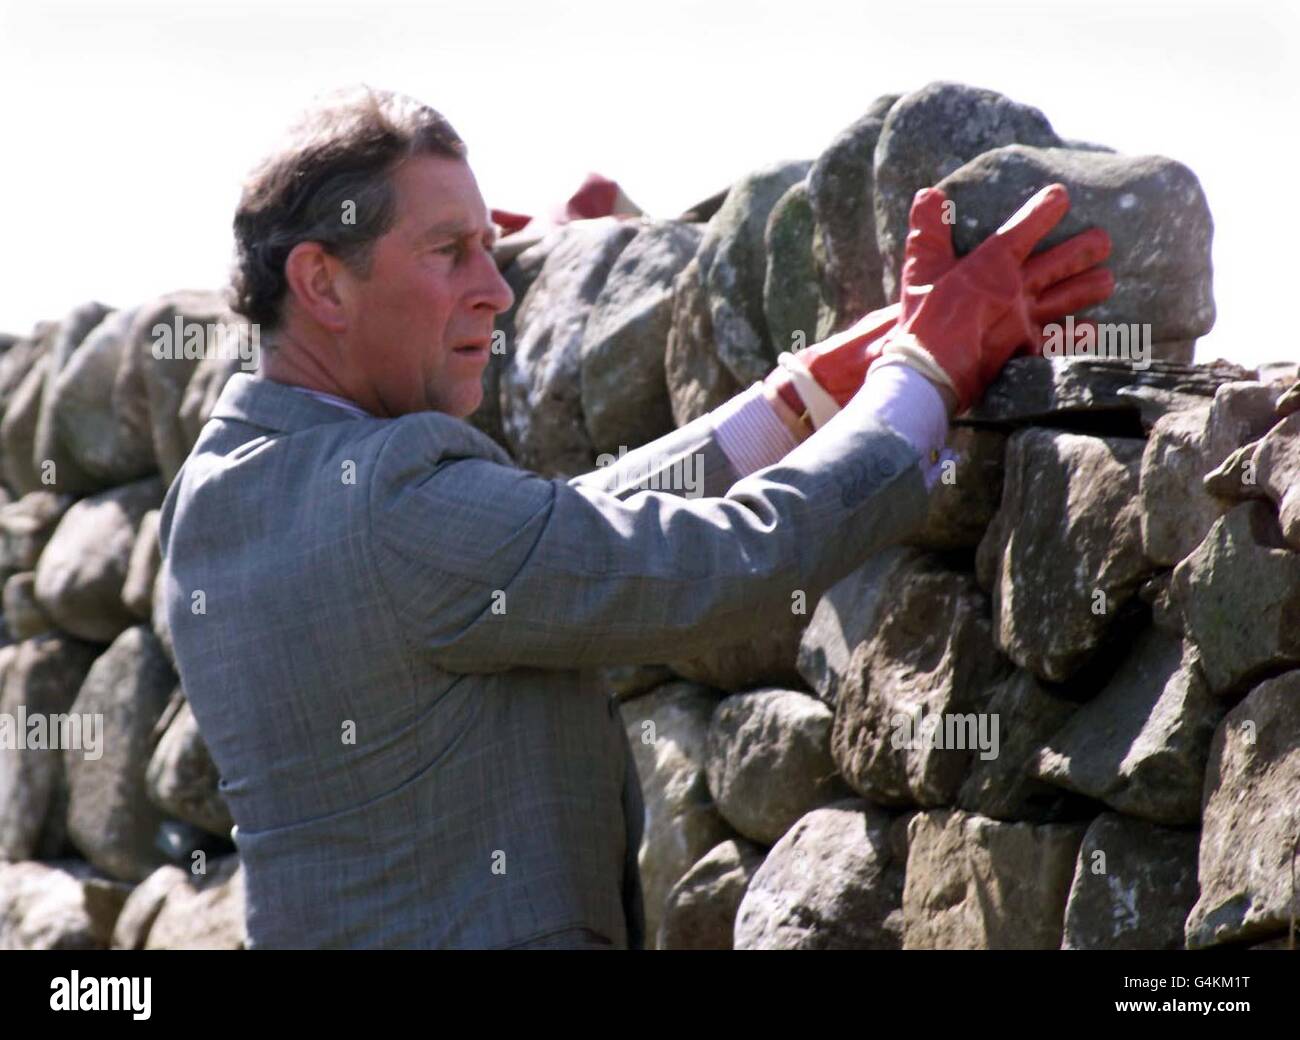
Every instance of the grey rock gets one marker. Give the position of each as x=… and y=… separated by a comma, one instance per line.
x=966, y=497
x=47, y=447
x=1134, y=884
x=719, y=341
x=519, y=273
x=1277, y=469
x=1238, y=595
x=1063, y=557
x=1061, y=391
x=931, y=661
x=1141, y=745
x=1251, y=830
x=1183, y=447
x=841, y=193
x=80, y=575
x=62, y=905
x=140, y=910
x=26, y=527
x=791, y=296
x=142, y=569
x=541, y=386
x=204, y=912
x=668, y=732
x=110, y=818
x=1152, y=207
x=148, y=390
x=182, y=779
x=23, y=616
x=999, y=784
x=624, y=392
x=977, y=884
x=846, y=616
x=700, y=911
x=40, y=677
x=18, y=430
x=833, y=882
x=200, y=397
x=769, y=761
x=931, y=133
x=88, y=437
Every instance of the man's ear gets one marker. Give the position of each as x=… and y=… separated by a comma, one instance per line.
x=313, y=276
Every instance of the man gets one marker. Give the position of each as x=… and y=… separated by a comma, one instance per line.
x=383, y=626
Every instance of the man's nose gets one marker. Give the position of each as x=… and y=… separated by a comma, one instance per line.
x=492, y=289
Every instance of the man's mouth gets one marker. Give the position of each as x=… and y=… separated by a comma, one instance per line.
x=473, y=348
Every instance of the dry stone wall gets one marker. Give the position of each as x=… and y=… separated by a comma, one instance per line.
x=1066, y=714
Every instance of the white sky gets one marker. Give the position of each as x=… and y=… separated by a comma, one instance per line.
x=128, y=127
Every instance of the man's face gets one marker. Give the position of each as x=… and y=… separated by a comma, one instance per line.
x=420, y=325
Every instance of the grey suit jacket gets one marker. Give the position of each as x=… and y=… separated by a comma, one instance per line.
x=386, y=630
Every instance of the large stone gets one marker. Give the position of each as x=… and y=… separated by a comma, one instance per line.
x=204, y=912
x=183, y=780
x=40, y=679
x=1134, y=883
x=841, y=193
x=833, y=882
x=23, y=616
x=80, y=575
x=63, y=905
x=140, y=910
x=18, y=430
x=200, y=397
x=142, y=568
x=846, y=617
x=26, y=527
x=541, y=386
x=977, y=884
x=791, y=298
x=1239, y=595
x=700, y=911
x=1251, y=826
x=1177, y=510
x=519, y=273
x=1063, y=557
x=668, y=731
x=1277, y=469
x=149, y=389
x=929, y=134
x=88, y=438
x=1141, y=745
x=624, y=393
x=50, y=456
x=1101, y=395
x=1153, y=208
x=769, y=761
x=1000, y=785
x=966, y=497
x=110, y=817
x=930, y=663
x=719, y=341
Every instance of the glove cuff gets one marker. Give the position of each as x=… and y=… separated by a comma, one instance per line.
x=821, y=405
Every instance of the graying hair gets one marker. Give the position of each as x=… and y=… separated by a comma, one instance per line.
x=343, y=150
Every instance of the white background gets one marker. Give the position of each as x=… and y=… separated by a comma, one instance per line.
x=127, y=128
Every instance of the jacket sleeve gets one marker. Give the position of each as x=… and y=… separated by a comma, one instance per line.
x=688, y=462
x=490, y=567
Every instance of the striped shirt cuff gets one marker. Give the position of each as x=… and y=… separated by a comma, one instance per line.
x=750, y=433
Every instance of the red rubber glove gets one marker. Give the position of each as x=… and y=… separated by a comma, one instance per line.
x=1060, y=281
x=969, y=316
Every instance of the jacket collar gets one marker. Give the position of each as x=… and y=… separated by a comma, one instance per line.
x=252, y=398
